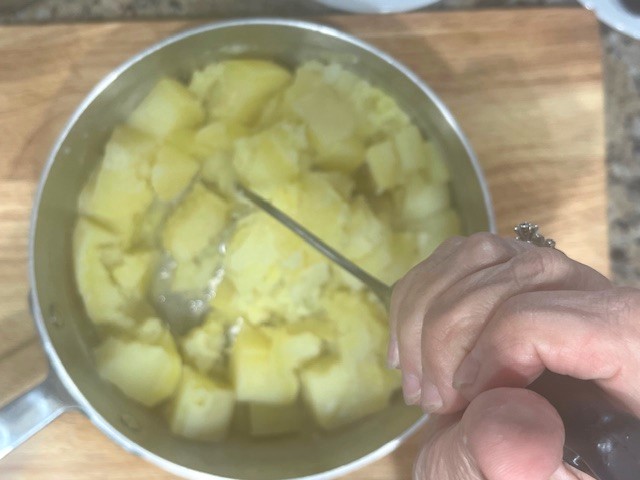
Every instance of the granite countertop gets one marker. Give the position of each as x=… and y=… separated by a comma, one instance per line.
x=621, y=61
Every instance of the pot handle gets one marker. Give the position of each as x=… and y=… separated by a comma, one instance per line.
x=31, y=412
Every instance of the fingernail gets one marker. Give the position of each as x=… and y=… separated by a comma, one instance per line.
x=431, y=398
x=467, y=372
x=393, y=356
x=411, y=389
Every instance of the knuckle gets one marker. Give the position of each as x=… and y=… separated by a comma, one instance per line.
x=487, y=246
x=538, y=265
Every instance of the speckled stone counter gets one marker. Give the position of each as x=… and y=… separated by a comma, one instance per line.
x=79, y=10
x=621, y=60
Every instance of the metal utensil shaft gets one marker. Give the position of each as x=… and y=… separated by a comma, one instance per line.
x=379, y=288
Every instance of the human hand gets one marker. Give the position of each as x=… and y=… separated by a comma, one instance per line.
x=484, y=313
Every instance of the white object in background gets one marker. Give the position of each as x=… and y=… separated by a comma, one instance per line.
x=376, y=6
x=621, y=15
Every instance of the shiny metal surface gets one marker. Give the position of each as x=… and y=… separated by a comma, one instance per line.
x=68, y=336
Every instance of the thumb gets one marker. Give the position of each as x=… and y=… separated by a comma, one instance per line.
x=505, y=433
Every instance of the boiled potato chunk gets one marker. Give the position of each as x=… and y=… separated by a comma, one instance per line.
x=169, y=106
x=411, y=149
x=130, y=149
x=195, y=223
x=438, y=170
x=222, y=299
x=361, y=331
x=269, y=420
x=383, y=165
x=203, y=347
x=345, y=156
x=242, y=88
x=256, y=376
x=119, y=193
x=339, y=392
x=379, y=261
x=437, y=228
x=332, y=126
x=364, y=230
x=203, y=80
x=201, y=408
x=377, y=112
x=105, y=302
x=184, y=140
x=291, y=350
x=217, y=136
x=420, y=199
x=254, y=251
x=172, y=173
x=264, y=365
x=218, y=170
x=405, y=254
x=271, y=157
x=145, y=373
x=133, y=273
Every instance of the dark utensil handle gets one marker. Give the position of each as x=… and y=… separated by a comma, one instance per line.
x=602, y=438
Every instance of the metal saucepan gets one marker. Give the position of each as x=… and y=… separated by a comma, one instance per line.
x=68, y=335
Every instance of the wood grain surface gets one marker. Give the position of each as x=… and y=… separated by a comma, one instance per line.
x=524, y=84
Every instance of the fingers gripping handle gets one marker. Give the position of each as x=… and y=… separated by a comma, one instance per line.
x=601, y=438
x=28, y=414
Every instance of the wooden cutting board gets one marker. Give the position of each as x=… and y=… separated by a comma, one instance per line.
x=524, y=84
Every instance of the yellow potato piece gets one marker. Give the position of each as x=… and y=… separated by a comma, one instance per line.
x=119, y=193
x=270, y=157
x=264, y=364
x=411, y=150
x=195, y=223
x=203, y=347
x=184, y=140
x=202, y=80
x=218, y=170
x=383, y=165
x=217, y=136
x=133, y=273
x=420, y=199
x=168, y=107
x=364, y=230
x=145, y=373
x=339, y=392
x=105, y=303
x=360, y=324
x=172, y=173
x=242, y=87
x=438, y=170
x=256, y=376
x=201, y=409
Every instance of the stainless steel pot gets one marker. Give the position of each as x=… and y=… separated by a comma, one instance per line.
x=67, y=334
